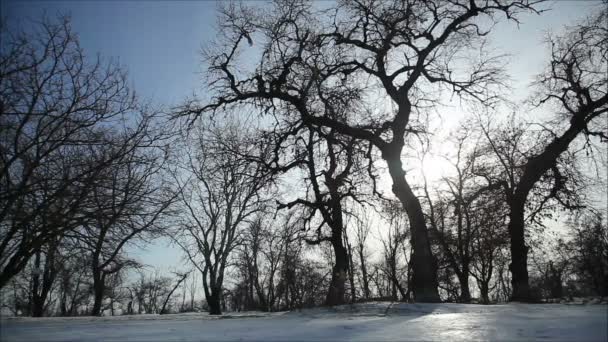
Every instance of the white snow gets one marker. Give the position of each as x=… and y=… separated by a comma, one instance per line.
x=361, y=322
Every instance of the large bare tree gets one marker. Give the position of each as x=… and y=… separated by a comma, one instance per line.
x=575, y=85
x=573, y=88
x=401, y=51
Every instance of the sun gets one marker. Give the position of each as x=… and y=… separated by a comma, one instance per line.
x=433, y=168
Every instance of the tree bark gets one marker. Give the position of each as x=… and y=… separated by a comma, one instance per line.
x=465, y=293
x=336, y=292
x=424, y=265
x=98, y=287
x=40, y=291
x=485, y=292
x=213, y=301
x=534, y=169
x=519, y=254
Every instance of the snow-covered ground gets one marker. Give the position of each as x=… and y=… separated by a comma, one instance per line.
x=361, y=322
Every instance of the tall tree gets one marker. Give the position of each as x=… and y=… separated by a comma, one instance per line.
x=223, y=192
x=363, y=224
x=130, y=200
x=405, y=49
x=330, y=180
x=576, y=83
x=54, y=111
x=466, y=214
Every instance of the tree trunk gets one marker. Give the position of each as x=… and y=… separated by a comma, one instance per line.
x=213, y=301
x=366, y=292
x=485, y=292
x=36, y=304
x=179, y=281
x=63, y=309
x=351, y=275
x=335, y=295
x=424, y=265
x=41, y=290
x=519, y=255
x=98, y=287
x=465, y=293
x=534, y=169
x=16, y=264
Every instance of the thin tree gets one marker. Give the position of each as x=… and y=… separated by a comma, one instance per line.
x=331, y=180
x=223, y=193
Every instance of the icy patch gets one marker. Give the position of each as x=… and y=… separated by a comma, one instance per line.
x=360, y=322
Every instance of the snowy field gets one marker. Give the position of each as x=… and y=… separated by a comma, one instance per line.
x=361, y=322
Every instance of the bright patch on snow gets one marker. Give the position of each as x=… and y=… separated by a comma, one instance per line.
x=361, y=322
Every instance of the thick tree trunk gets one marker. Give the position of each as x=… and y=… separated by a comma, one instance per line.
x=98, y=287
x=424, y=265
x=534, y=169
x=485, y=292
x=37, y=306
x=41, y=289
x=63, y=309
x=336, y=292
x=519, y=254
x=214, y=302
x=465, y=293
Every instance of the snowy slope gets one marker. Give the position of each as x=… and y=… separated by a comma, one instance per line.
x=361, y=322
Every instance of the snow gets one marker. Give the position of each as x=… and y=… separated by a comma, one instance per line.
x=360, y=322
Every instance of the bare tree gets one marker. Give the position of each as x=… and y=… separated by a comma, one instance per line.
x=130, y=201
x=192, y=291
x=403, y=48
x=222, y=194
x=54, y=110
x=363, y=224
x=151, y=290
x=261, y=257
x=180, y=278
x=395, y=254
x=587, y=252
x=331, y=181
x=467, y=216
x=43, y=277
x=73, y=282
x=574, y=88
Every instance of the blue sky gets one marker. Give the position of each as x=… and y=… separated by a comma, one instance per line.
x=159, y=42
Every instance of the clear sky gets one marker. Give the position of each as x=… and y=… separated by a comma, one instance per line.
x=159, y=43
